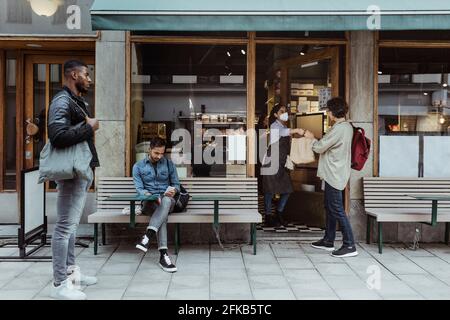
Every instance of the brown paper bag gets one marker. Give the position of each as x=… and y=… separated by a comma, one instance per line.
x=301, y=151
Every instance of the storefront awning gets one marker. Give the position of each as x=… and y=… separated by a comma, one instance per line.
x=270, y=15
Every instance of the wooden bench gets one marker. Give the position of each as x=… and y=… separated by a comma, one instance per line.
x=386, y=200
x=243, y=211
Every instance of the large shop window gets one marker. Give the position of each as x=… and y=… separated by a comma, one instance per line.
x=195, y=97
x=413, y=112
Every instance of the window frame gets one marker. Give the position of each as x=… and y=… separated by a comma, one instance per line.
x=379, y=44
x=250, y=41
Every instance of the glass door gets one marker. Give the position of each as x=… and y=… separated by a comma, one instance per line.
x=44, y=78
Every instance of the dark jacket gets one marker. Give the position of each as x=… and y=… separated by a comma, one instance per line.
x=63, y=115
x=280, y=182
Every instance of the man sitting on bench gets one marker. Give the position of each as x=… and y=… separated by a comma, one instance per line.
x=157, y=175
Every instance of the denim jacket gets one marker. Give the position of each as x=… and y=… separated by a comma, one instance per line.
x=146, y=180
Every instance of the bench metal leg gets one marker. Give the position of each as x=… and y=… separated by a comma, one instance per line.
x=380, y=238
x=253, y=229
x=447, y=233
x=95, y=238
x=177, y=238
x=104, y=234
x=369, y=229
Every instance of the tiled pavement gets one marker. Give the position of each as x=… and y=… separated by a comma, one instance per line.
x=280, y=270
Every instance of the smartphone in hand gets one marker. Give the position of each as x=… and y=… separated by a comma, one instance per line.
x=169, y=189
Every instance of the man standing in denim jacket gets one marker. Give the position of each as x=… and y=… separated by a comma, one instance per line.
x=157, y=175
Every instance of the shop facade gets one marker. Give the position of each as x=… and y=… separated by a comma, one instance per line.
x=220, y=79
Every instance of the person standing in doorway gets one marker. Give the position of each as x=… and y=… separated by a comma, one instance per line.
x=157, y=175
x=280, y=181
x=334, y=169
x=69, y=123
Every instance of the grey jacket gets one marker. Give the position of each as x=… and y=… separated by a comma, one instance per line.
x=335, y=154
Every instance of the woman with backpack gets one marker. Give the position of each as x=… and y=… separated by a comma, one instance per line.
x=280, y=181
x=334, y=169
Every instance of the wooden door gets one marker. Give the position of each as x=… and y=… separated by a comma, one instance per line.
x=43, y=79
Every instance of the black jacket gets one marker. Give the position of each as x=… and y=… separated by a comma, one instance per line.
x=63, y=114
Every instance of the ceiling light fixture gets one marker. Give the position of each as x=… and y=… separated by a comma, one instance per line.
x=46, y=8
x=304, y=50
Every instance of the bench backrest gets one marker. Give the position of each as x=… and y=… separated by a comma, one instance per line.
x=382, y=192
x=247, y=188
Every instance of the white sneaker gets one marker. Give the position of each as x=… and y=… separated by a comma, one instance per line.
x=66, y=291
x=79, y=279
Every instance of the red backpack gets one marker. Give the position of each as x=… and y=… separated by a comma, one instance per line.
x=360, y=148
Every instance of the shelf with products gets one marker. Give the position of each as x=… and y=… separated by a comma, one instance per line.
x=410, y=87
x=307, y=95
x=198, y=88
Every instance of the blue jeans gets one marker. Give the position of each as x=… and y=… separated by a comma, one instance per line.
x=334, y=206
x=281, y=204
x=158, y=221
x=70, y=203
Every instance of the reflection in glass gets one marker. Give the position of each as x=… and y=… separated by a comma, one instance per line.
x=413, y=95
x=10, y=126
x=39, y=109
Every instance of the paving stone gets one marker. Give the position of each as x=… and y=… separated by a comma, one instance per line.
x=17, y=294
x=112, y=268
x=268, y=282
x=295, y=263
x=428, y=286
x=191, y=294
x=147, y=288
x=273, y=294
x=336, y=269
x=104, y=294
x=223, y=288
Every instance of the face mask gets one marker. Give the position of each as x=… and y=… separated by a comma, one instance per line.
x=284, y=117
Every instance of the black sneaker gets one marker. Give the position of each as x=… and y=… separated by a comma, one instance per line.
x=166, y=264
x=144, y=244
x=344, y=252
x=324, y=245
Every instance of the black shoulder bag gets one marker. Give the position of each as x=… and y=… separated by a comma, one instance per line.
x=181, y=197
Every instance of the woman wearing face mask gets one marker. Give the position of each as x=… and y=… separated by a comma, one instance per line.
x=279, y=182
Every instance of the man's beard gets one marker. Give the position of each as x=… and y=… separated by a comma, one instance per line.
x=80, y=88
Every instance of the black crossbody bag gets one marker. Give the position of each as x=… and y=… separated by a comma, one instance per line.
x=181, y=197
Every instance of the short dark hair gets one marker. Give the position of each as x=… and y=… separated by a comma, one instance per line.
x=70, y=65
x=338, y=107
x=157, y=142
